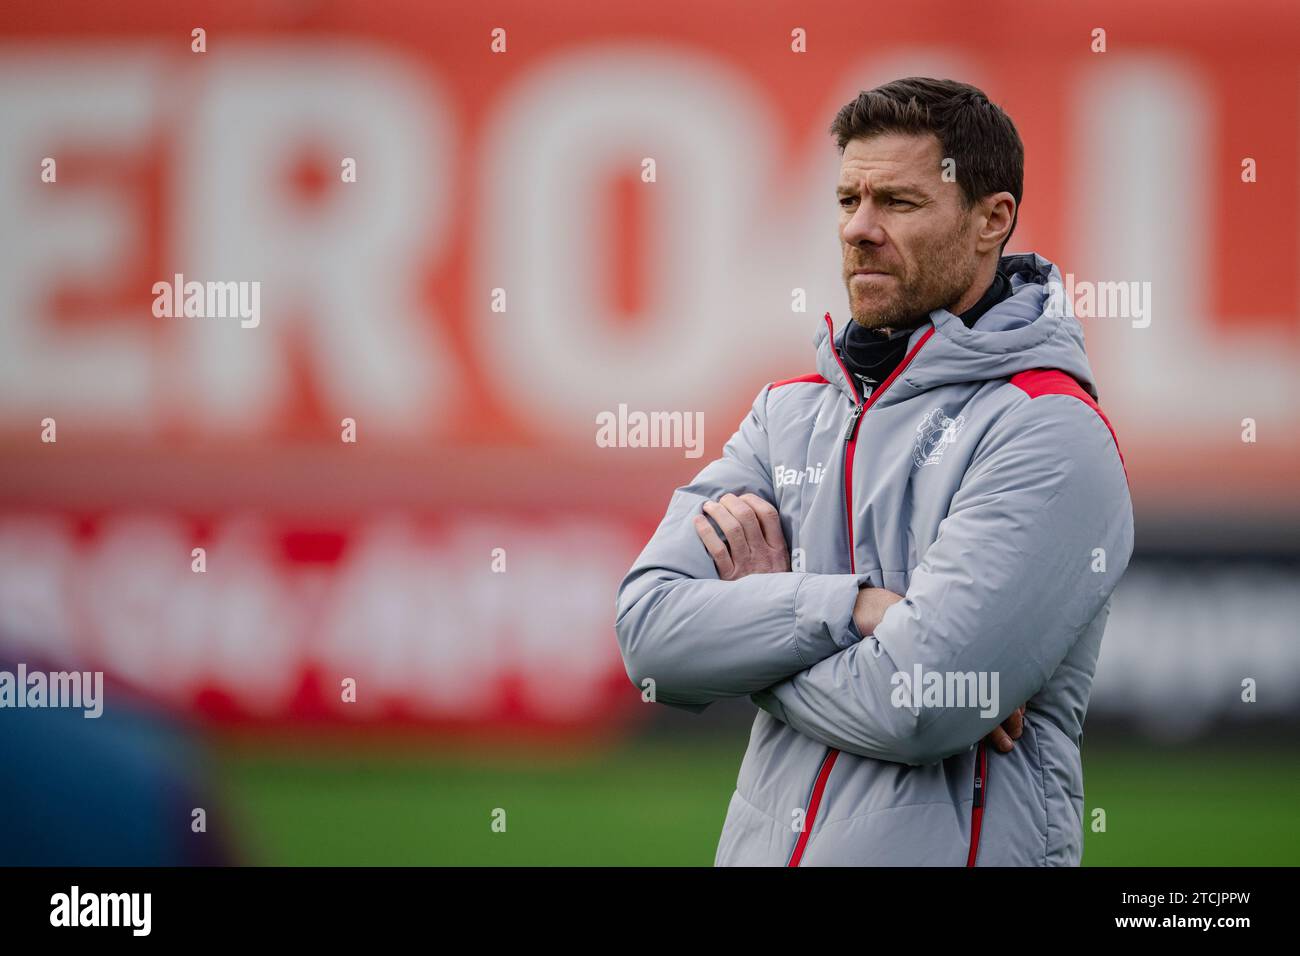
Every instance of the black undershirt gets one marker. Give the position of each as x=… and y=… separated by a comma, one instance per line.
x=871, y=355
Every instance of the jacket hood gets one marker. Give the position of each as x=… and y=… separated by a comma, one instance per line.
x=1032, y=328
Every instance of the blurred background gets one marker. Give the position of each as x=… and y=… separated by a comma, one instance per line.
x=462, y=249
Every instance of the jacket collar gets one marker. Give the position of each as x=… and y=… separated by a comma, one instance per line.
x=831, y=366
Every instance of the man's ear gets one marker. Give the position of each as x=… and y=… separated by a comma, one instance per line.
x=997, y=213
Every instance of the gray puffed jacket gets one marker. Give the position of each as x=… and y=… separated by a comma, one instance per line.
x=981, y=481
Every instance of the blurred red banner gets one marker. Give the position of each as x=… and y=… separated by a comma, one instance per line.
x=457, y=248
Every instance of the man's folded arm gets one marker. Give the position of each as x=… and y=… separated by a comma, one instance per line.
x=1011, y=581
x=699, y=638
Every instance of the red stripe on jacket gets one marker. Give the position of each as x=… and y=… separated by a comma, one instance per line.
x=1052, y=381
x=810, y=377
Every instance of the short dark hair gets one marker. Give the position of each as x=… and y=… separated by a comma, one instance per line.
x=971, y=130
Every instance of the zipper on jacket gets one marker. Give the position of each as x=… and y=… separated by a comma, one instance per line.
x=860, y=407
x=977, y=804
x=853, y=422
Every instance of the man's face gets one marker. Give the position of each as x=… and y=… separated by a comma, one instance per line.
x=906, y=235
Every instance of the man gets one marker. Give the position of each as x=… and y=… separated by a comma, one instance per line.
x=958, y=514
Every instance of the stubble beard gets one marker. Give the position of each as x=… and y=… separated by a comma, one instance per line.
x=940, y=283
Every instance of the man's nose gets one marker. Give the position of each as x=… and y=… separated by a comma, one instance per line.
x=863, y=227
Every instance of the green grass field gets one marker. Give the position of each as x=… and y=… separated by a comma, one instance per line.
x=649, y=804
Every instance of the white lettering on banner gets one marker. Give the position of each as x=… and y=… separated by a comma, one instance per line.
x=1142, y=144
x=410, y=615
x=416, y=620
x=587, y=118
x=103, y=101
x=351, y=268
x=161, y=626
x=354, y=264
x=414, y=623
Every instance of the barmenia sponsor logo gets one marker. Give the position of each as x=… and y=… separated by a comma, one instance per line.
x=782, y=476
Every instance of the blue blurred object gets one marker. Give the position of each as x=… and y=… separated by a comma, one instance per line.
x=116, y=790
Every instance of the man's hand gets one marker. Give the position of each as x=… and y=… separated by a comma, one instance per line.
x=868, y=611
x=870, y=607
x=1011, y=729
x=753, y=531
x=757, y=546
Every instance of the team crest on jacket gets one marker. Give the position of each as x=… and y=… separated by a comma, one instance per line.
x=935, y=433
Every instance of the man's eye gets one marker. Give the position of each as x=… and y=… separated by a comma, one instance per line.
x=847, y=200
x=901, y=202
